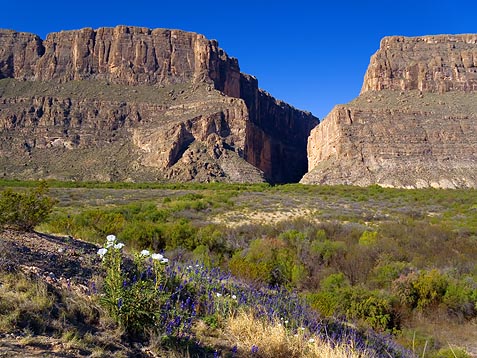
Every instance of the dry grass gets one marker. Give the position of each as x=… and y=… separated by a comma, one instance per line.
x=275, y=341
x=23, y=303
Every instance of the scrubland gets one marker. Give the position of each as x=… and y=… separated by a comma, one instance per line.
x=265, y=271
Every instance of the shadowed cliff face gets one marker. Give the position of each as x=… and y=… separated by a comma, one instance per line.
x=414, y=124
x=175, y=103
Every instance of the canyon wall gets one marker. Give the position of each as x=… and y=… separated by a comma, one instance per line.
x=172, y=104
x=414, y=124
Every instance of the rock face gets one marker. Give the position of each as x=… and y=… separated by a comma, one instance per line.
x=414, y=124
x=131, y=103
x=429, y=64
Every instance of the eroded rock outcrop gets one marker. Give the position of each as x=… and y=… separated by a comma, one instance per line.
x=414, y=124
x=129, y=103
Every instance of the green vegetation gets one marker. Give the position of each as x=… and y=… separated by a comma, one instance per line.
x=396, y=261
x=25, y=210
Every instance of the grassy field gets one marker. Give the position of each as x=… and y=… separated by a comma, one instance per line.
x=401, y=262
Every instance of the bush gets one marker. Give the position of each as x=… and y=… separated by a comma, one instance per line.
x=386, y=272
x=25, y=210
x=269, y=261
x=374, y=309
x=328, y=251
x=422, y=290
x=459, y=299
x=368, y=238
x=141, y=234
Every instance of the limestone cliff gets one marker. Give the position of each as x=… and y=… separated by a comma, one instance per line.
x=414, y=124
x=129, y=103
x=429, y=64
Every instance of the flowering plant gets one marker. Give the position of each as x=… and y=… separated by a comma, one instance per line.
x=132, y=296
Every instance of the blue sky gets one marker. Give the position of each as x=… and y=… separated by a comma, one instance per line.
x=311, y=54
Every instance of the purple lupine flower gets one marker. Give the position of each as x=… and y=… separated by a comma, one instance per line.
x=254, y=349
x=120, y=302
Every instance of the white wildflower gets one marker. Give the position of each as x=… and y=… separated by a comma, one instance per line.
x=157, y=257
x=234, y=297
x=286, y=322
x=119, y=245
x=110, y=240
x=102, y=252
x=311, y=340
x=164, y=261
x=145, y=253
x=219, y=294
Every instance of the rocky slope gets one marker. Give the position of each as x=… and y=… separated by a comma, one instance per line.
x=131, y=103
x=414, y=124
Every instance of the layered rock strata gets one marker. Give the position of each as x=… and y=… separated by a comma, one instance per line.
x=130, y=103
x=414, y=124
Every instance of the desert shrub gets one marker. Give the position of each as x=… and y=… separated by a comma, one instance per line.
x=269, y=261
x=334, y=282
x=328, y=251
x=368, y=238
x=326, y=303
x=143, y=211
x=430, y=287
x=422, y=243
x=299, y=273
x=255, y=263
x=373, y=308
x=460, y=298
x=336, y=231
x=328, y=300
x=213, y=237
x=25, y=210
x=99, y=223
x=293, y=238
x=338, y=298
x=386, y=272
x=357, y=263
x=180, y=233
x=140, y=234
x=403, y=288
x=422, y=290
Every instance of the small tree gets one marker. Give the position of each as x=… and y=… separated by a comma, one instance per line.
x=24, y=210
